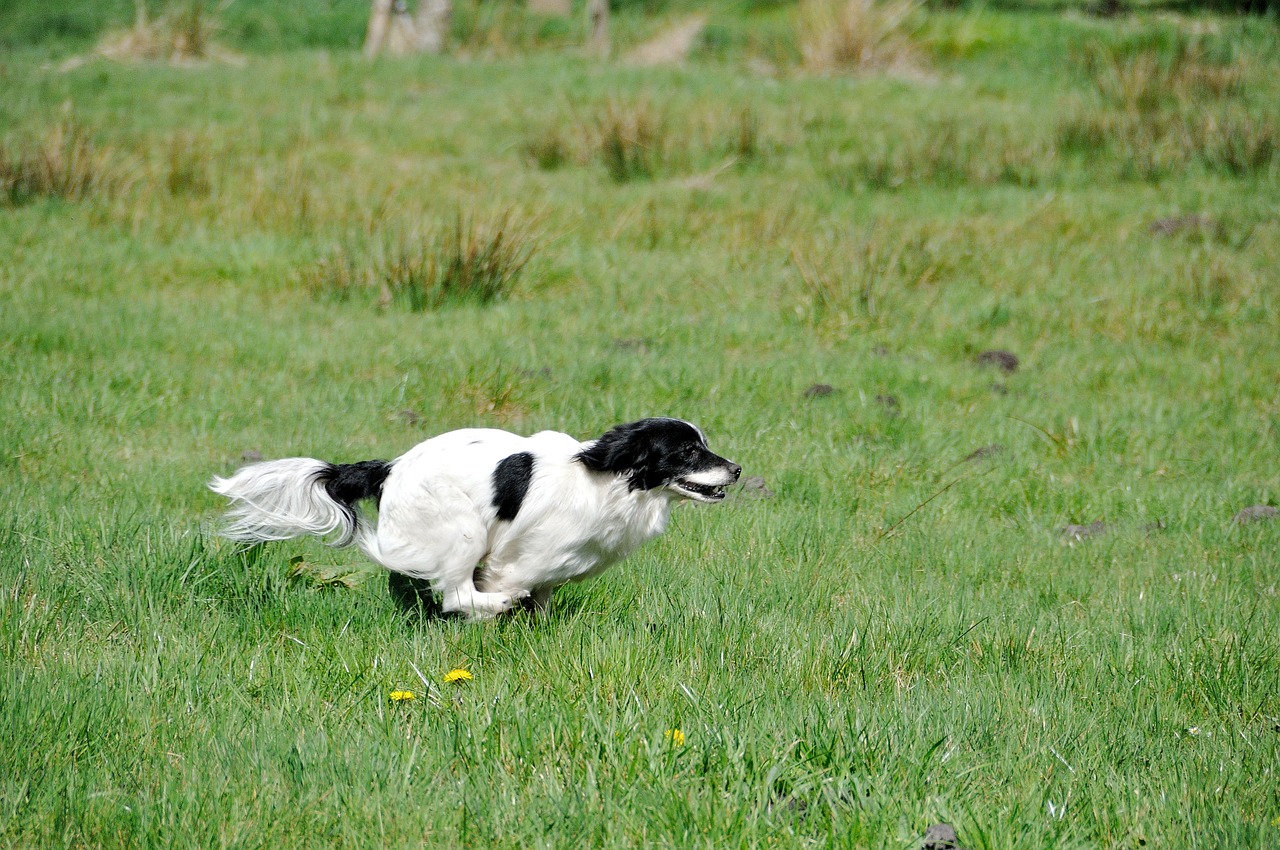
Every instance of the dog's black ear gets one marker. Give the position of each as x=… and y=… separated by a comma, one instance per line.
x=619, y=452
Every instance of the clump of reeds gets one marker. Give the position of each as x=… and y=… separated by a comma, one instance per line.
x=630, y=139
x=844, y=277
x=744, y=134
x=1152, y=80
x=945, y=152
x=858, y=35
x=186, y=169
x=549, y=148
x=184, y=34
x=1157, y=111
x=64, y=164
x=471, y=262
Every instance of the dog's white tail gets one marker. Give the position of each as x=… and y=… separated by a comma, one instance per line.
x=297, y=496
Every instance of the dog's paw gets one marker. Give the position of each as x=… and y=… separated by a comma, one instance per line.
x=484, y=605
x=479, y=605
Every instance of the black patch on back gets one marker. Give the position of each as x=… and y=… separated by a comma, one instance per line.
x=511, y=480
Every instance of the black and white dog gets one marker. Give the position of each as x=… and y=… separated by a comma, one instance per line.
x=486, y=517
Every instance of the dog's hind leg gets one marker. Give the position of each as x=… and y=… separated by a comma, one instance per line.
x=465, y=599
x=446, y=559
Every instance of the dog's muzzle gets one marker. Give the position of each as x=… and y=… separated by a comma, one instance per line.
x=707, y=486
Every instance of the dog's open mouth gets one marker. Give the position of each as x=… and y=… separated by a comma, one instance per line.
x=701, y=492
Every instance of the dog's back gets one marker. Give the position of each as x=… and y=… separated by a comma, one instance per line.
x=467, y=462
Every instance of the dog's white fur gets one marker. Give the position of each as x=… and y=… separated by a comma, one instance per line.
x=438, y=521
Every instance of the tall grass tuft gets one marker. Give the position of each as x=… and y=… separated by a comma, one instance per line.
x=343, y=275
x=187, y=166
x=184, y=34
x=1152, y=80
x=858, y=35
x=635, y=139
x=630, y=139
x=64, y=164
x=506, y=29
x=472, y=262
x=843, y=278
x=549, y=148
x=943, y=152
x=870, y=278
x=1237, y=141
x=1158, y=111
x=744, y=138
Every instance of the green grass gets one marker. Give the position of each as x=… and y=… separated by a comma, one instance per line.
x=897, y=637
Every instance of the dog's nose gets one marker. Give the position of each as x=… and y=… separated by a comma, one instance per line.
x=735, y=470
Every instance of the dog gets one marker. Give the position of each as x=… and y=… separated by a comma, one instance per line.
x=486, y=518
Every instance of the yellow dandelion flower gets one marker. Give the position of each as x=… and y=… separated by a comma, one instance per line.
x=457, y=675
x=676, y=737
x=402, y=696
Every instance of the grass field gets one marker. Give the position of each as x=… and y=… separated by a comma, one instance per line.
x=207, y=264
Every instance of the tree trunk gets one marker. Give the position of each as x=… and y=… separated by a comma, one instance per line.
x=598, y=21
x=379, y=24
x=403, y=37
x=392, y=29
x=432, y=24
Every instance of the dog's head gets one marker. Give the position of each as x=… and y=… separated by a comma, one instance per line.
x=670, y=453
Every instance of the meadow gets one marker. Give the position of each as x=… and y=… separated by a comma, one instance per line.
x=1011, y=597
